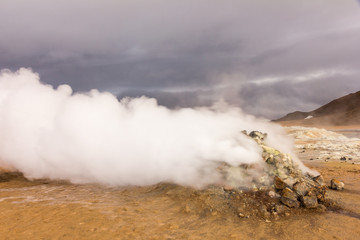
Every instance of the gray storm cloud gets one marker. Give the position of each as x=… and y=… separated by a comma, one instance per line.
x=190, y=52
x=94, y=138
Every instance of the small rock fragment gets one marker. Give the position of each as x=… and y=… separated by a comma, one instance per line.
x=264, y=212
x=279, y=183
x=289, y=198
x=280, y=209
x=290, y=182
x=275, y=216
x=336, y=184
x=300, y=188
x=321, y=193
x=228, y=188
x=319, y=180
x=272, y=194
x=310, y=200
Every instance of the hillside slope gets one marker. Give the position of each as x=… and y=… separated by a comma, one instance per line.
x=342, y=111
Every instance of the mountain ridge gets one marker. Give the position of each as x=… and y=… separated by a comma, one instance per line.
x=341, y=111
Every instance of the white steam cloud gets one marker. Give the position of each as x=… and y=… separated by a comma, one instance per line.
x=93, y=137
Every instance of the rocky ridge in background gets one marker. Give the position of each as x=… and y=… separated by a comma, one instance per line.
x=341, y=111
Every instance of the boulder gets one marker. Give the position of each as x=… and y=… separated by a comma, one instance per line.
x=310, y=200
x=319, y=180
x=336, y=184
x=289, y=198
x=279, y=184
x=301, y=188
x=321, y=193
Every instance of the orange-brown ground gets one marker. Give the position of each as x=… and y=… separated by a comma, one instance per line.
x=58, y=210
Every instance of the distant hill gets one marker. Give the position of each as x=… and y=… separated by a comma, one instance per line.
x=341, y=111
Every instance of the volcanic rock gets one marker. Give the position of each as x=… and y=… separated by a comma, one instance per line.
x=310, y=200
x=264, y=212
x=319, y=180
x=273, y=194
x=280, y=209
x=228, y=188
x=289, y=198
x=279, y=184
x=301, y=188
x=280, y=175
x=259, y=137
x=321, y=193
x=336, y=184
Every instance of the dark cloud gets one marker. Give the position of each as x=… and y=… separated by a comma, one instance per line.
x=267, y=57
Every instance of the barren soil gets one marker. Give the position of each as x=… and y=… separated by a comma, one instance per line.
x=46, y=209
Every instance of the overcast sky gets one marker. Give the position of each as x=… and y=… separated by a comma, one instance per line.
x=268, y=57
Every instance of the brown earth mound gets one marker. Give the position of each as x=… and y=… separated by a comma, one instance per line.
x=341, y=111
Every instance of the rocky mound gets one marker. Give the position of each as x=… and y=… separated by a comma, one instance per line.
x=282, y=178
x=276, y=188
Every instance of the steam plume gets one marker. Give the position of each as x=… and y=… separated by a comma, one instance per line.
x=93, y=137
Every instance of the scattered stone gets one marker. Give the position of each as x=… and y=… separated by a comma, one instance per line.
x=228, y=188
x=290, y=181
x=280, y=209
x=264, y=212
x=310, y=200
x=319, y=180
x=289, y=198
x=259, y=137
x=336, y=184
x=273, y=194
x=321, y=193
x=301, y=188
x=279, y=183
x=275, y=215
